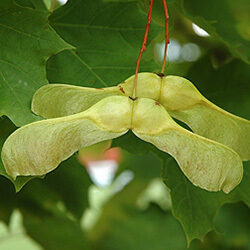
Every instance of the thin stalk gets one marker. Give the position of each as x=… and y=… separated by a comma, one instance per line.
x=166, y=34
x=143, y=47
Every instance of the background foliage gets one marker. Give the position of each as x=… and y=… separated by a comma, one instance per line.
x=96, y=43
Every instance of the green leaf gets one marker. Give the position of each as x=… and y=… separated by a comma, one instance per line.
x=106, y=35
x=27, y=41
x=225, y=20
x=195, y=208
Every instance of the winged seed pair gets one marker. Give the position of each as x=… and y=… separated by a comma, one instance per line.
x=77, y=117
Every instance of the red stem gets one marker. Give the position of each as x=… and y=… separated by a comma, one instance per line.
x=143, y=47
x=166, y=34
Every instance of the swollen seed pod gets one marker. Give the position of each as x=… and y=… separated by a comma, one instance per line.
x=148, y=86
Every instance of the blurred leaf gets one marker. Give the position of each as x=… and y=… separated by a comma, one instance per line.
x=232, y=221
x=55, y=232
x=27, y=41
x=147, y=230
x=195, y=208
x=221, y=19
x=107, y=37
x=145, y=168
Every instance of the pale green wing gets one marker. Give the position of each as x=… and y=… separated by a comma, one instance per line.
x=184, y=102
x=206, y=163
x=39, y=147
x=57, y=100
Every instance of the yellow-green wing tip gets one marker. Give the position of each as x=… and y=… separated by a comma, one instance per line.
x=235, y=177
x=225, y=167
